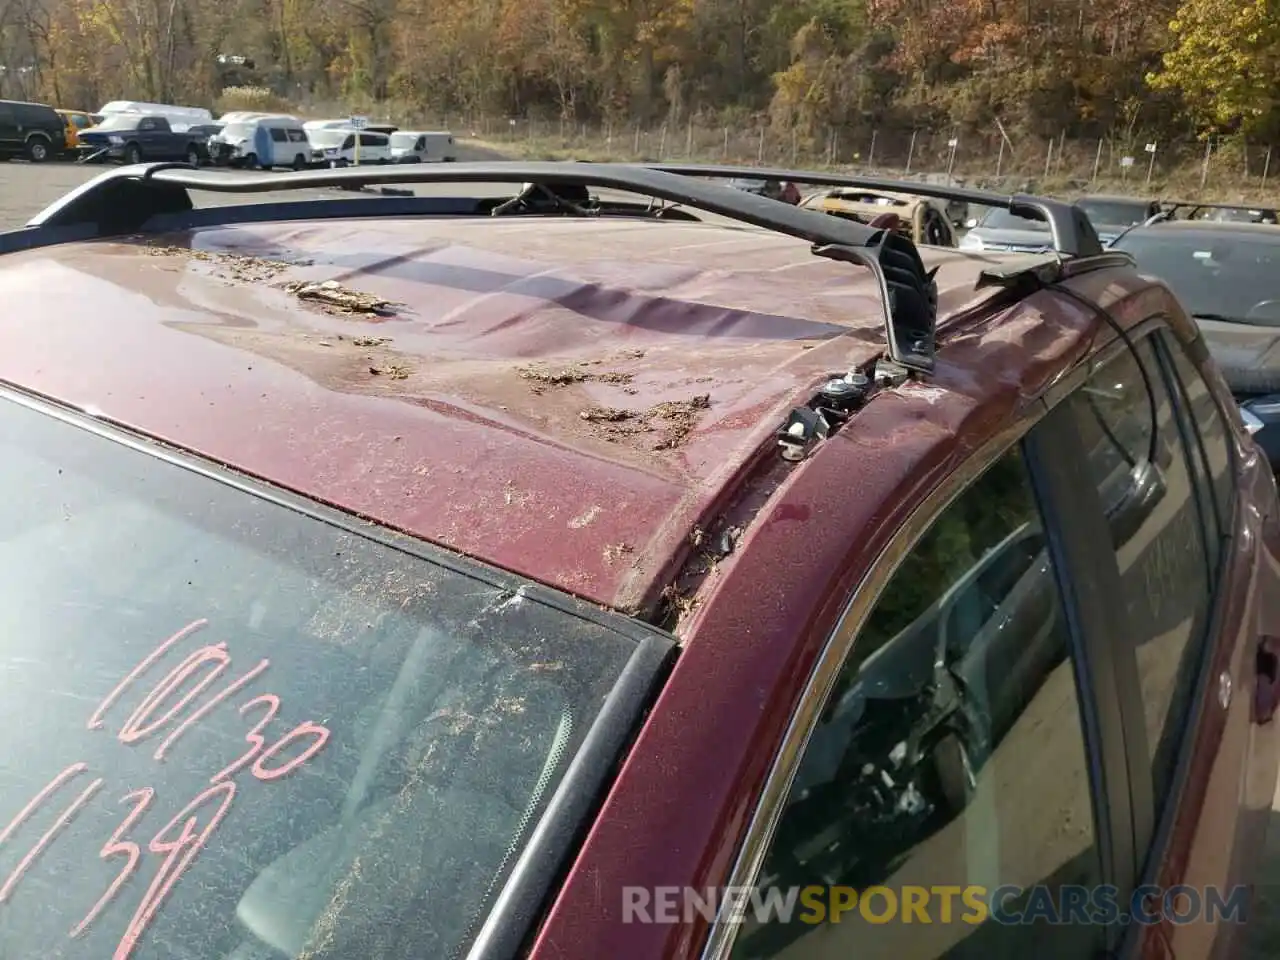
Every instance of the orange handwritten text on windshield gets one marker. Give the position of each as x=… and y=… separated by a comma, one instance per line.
x=170, y=708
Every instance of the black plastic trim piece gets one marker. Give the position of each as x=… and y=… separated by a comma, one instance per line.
x=524, y=898
x=1073, y=233
x=1084, y=565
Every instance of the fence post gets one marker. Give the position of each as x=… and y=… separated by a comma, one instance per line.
x=760, y=149
x=871, y=154
x=662, y=143
x=725, y=153
x=688, y=139
x=1000, y=159
x=1048, y=159
x=835, y=145
x=795, y=146
x=1097, y=161
x=635, y=150
x=911, y=150
x=1062, y=150
x=1204, y=169
x=1266, y=166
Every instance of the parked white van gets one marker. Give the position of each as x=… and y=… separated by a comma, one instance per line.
x=423, y=146
x=180, y=118
x=263, y=141
x=343, y=124
x=338, y=146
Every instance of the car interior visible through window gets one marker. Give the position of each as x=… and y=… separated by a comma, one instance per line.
x=950, y=752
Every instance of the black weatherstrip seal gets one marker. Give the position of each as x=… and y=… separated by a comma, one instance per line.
x=528, y=890
x=1084, y=564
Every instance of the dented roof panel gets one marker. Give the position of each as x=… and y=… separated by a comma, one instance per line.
x=563, y=398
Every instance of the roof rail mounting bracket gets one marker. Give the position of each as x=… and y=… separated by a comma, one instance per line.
x=908, y=292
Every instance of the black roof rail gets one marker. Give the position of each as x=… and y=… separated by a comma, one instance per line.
x=123, y=200
x=1073, y=233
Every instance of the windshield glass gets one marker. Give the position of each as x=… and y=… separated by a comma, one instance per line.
x=998, y=218
x=330, y=137
x=237, y=131
x=1114, y=213
x=120, y=121
x=1225, y=274
x=304, y=742
x=403, y=141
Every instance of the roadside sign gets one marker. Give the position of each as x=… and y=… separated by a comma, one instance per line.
x=357, y=124
x=1151, y=148
x=1126, y=161
x=953, y=143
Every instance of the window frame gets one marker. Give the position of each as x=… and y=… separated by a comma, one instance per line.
x=1152, y=847
x=1054, y=456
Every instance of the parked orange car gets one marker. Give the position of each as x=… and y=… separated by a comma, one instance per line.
x=75, y=121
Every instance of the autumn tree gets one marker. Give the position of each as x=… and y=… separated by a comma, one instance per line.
x=1224, y=63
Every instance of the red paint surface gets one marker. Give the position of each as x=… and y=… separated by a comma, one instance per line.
x=463, y=455
x=679, y=808
x=462, y=452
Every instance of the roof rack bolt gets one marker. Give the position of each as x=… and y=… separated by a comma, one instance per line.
x=844, y=393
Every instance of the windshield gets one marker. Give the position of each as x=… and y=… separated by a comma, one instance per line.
x=1224, y=274
x=237, y=131
x=120, y=121
x=330, y=137
x=303, y=741
x=403, y=141
x=998, y=218
x=1114, y=213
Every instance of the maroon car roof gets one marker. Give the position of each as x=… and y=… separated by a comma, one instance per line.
x=565, y=399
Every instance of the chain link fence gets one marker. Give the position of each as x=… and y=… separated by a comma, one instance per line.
x=1135, y=164
x=992, y=158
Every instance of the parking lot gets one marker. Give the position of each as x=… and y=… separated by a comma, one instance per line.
x=26, y=188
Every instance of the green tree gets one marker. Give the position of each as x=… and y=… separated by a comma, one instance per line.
x=1224, y=63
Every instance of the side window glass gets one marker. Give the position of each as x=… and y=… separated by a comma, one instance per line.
x=146, y=124
x=297, y=136
x=279, y=135
x=1212, y=427
x=1140, y=466
x=349, y=143
x=950, y=753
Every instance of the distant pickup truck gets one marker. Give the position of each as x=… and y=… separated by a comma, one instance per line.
x=135, y=137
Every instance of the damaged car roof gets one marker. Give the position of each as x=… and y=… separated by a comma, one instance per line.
x=564, y=399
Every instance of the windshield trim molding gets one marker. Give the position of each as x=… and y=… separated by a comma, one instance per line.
x=538, y=874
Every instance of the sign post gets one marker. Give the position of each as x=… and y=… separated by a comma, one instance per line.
x=1151, y=164
x=1125, y=164
x=358, y=123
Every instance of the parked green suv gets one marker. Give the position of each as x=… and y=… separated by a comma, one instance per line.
x=31, y=130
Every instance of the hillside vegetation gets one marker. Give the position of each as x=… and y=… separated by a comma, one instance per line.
x=1128, y=69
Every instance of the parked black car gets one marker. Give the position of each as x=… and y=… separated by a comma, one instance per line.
x=31, y=130
x=1227, y=275
x=133, y=138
